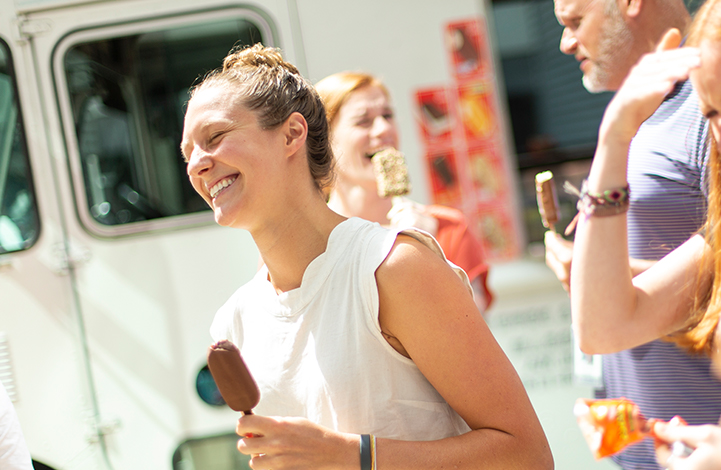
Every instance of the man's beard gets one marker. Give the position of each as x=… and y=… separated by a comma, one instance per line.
x=612, y=54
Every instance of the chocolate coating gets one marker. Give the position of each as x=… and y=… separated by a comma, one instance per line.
x=232, y=377
x=547, y=199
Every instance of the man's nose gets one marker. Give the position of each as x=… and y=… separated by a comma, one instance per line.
x=568, y=42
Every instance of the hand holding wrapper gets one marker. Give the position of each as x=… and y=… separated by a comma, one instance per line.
x=611, y=425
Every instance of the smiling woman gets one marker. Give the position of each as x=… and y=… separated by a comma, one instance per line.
x=360, y=337
x=362, y=122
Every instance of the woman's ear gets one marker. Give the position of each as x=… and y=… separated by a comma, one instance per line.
x=296, y=132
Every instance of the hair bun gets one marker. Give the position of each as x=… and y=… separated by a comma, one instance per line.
x=257, y=56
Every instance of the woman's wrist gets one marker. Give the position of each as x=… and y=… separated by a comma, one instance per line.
x=367, y=452
x=618, y=124
x=609, y=167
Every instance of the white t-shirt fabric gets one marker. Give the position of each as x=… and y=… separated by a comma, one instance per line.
x=318, y=352
x=14, y=453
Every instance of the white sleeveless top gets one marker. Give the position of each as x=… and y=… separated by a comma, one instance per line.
x=318, y=352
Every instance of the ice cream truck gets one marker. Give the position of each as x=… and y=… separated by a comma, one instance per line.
x=111, y=267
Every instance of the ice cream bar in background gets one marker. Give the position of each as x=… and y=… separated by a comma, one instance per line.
x=236, y=385
x=391, y=172
x=547, y=199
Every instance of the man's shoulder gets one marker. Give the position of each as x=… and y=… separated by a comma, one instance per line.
x=678, y=118
x=682, y=98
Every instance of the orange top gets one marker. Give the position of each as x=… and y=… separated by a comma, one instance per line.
x=460, y=246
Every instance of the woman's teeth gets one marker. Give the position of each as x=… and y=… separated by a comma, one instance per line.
x=219, y=186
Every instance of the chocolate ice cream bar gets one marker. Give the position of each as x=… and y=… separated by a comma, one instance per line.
x=232, y=377
x=391, y=172
x=547, y=199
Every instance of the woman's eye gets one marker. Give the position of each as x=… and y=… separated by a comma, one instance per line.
x=364, y=123
x=214, y=137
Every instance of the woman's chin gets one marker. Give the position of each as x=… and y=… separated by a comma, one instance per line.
x=221, y=218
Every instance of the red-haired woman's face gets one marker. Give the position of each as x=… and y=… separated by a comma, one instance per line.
x=364, y=125
x=708, y=86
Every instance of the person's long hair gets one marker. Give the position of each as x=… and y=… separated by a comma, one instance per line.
x=698, y=338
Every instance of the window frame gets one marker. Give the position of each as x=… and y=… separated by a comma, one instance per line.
x=62, y=95
x=20, y=121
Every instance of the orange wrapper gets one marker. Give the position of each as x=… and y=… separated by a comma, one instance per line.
x=611, y=425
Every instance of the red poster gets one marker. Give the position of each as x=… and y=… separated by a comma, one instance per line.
x=487, y=174
x=475, y=100
x=435, y=116
x=445, y=186
x=466, y=42
x=460, y=129
x=498, y=234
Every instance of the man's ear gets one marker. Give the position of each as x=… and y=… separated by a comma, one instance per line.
x=296, y=132
x=631, y=8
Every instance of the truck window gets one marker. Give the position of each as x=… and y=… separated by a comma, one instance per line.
x=217, y=452
x=127, y=95
x=19, y=221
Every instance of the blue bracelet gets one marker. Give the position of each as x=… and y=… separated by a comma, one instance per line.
x=365, y=452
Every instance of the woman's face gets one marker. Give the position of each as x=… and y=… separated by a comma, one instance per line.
x=364, y=125
x=705, y=81
x=230, y=157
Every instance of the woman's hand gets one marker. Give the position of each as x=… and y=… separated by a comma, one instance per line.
x=296, y=443
x=406, y=213
x=646, y=86
x=559, y=253
x=705, y=440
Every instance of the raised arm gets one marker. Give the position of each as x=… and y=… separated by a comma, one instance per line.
x=612, y=310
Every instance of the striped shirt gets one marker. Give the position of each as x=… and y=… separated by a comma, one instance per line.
x=666, y=173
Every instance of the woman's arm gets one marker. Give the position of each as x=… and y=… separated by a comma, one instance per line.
x=559, y=253
x=656, y=303
x=427, y=310
x=611, y=310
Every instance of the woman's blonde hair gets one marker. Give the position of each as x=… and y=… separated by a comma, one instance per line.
x=706, y=25
x=274, y=89
x=335, y=89
x=698, y=338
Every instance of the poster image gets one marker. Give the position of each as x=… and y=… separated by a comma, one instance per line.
x=494, y=224
x=445, y=187
x=435, y=116
x=477, y=114
x=487, y=174
x=466, y=44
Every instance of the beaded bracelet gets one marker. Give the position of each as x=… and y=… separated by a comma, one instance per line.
x=610, y=202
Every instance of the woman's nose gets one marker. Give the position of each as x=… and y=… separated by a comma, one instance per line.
x=382, y=126
x=198, y=163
